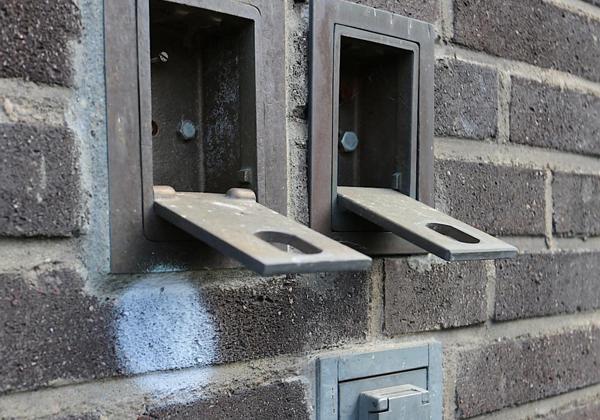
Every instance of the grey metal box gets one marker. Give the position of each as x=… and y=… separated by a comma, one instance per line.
x=342, y=378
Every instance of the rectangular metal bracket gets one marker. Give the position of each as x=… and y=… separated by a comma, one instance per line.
x=139, y=240
x=372, y=137
x=422, y=225
x=260, y=238
x=341, y=32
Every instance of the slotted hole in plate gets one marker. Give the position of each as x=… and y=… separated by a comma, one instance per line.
x=452, y=232
x=288, y=243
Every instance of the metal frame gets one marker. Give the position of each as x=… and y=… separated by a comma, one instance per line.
x=326, y=16
x=333, y=370
x=339, y=217
x=131, y=199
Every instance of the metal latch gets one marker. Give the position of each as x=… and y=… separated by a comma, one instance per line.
x=402, y=402
x=260, y=238
x=422, y=225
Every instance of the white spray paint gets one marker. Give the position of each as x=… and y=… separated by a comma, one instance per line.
x=163, y=325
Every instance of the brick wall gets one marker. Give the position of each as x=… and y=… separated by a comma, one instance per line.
x=517, y=154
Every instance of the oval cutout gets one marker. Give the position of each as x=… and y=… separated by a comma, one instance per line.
x=282, y=241
x=452, y=232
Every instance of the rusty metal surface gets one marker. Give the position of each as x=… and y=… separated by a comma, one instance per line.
x=258, y=237
x=426, y=227
x=140, y=241
x=338, y=16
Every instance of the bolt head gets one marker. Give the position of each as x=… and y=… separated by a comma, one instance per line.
x=245, y=175
x=163, y=56
x=349, y=141
x=187, y=130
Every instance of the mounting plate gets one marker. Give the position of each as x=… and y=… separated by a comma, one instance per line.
x=260, y=238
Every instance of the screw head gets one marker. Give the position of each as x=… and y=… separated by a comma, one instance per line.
x=163, y=56
x=349, y=141
x=186, y=130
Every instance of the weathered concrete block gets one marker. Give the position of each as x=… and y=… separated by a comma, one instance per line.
x=547, y=116
x=34, y=39
x=40, y=190
x=281, y=400
x=515, y=371
x=289, y=316
x=51, y=331
x=427, y=10
x=500, y=200
x=82, y=416
x=423, y=295
x=547, y=284
x=576, y=201
x=534, y=31
x=466, y=100
x=298, y=191
x=576, y=411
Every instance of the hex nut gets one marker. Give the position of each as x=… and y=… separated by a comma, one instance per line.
x=349, y=141
x=187, y=130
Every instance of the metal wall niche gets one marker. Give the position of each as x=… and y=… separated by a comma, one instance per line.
x=203, y=92
x=371, y=145
x=196, y=130
x=386, y=378
x=360, y=51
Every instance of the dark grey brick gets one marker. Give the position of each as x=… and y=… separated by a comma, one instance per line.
x=281, y=400
x=500, y=200
x=174, y=323
x=51, y=330
x=427, y=10
x=533, y=31
x=419, y=297
x=289, y=316
x=40, y=190
x=546, y=116
x=576, y=201
x=466, y=100
x=515, y=371
x=34, y=39
x=547, y=284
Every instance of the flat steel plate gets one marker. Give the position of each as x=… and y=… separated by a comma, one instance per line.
x=260, y=238
x=422, y=225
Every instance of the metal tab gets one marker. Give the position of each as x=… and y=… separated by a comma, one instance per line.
x=396, y=402
x=260, y=238
x=422, y=225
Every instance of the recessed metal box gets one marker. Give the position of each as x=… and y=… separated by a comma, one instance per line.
x=377, y=383
x=371, y=73
x=197, y=144
x=371, y=144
